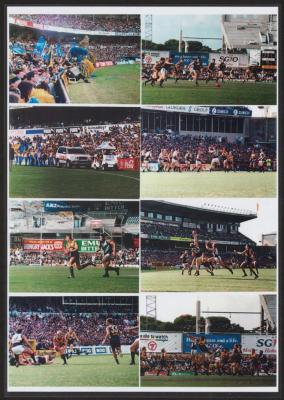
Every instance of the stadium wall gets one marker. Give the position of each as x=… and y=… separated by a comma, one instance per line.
x=98, y=350
x=177, y=342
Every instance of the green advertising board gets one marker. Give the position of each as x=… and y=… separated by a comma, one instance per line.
x=87, y=245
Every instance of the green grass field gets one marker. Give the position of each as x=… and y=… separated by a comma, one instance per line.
x=118, y=84
x=223, y=281
x=55, y=279
x=80, y=371
x=206, y=381
x=207, y=184
x=185, y=92
x=67, y=183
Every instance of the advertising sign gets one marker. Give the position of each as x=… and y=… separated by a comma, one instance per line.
x=212, y=339
x=126, y=164
x=151, y=57
x=153, y=167
x=156, y=341
x=60, y=206
x=191, y=56
x=266, y=343
x=88, y=245
x=96, y=350
x=40, y=245
x=231, y=60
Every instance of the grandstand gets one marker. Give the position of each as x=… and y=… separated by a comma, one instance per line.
x=41, y=317
x=249, y=31
x=67, y=51
x=38, y=230
x=106, y=142
x=268, y=312
x=190, y=346
x=243, y=48
x=200, y=138
x=166, y=231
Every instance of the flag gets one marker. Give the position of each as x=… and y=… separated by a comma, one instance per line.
x=39, y=47
x=18, y=49
x=58, y=49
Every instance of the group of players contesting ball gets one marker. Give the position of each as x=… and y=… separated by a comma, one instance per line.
x=164, y=68
x=209, y=257
x=64, y=344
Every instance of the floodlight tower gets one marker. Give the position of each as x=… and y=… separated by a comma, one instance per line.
x=151, y=306
x=148, y=28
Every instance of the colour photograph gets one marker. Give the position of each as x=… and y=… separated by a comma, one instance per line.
x=74, y=58
x=223, y=245
x=71, y=152
x=209, y=59
x=205, y=151
x=68, y=246
x=68, y=342
x=208, y=340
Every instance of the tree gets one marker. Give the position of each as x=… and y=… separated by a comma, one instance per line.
x=194, y=45
x=223, y=324
x=186, y=323
x=171, y=45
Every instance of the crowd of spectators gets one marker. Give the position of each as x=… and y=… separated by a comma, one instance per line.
x=204, y=148
x=229, y=74
x=90, y=327
x=40, y=150
x=35, y=78
x=218, y=362
x=106, y=23
x=151, y=258
x=19, y=257
x=168, y=230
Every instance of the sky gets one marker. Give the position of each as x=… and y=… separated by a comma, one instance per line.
x=166, y=27
x=172, y=305
x=266, y=221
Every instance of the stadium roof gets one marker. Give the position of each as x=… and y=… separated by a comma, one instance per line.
x=74, y=116
x=213, y=213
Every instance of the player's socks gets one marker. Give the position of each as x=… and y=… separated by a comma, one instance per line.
x=182, y=271
x=71, y=269
x=117, y=271
x=63, y=356
x=116, y=360
x=33, y=358
x=17, y=360
x=132, y=358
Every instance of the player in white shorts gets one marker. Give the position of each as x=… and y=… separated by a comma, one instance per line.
x=20, y=345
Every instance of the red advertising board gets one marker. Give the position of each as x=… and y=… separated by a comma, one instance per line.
x=39, y=245
x=103, y=64
x=128, y=164
x=135, y=242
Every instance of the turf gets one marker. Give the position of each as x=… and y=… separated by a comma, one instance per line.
x=67, y=183
x=55, y=279
x=208, y=184
x=118, y=84
x=223, y=281
x=80, y=371
x=205, y=381
x=185, y=92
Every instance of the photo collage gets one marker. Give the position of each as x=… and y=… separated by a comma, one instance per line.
x=142, y=199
